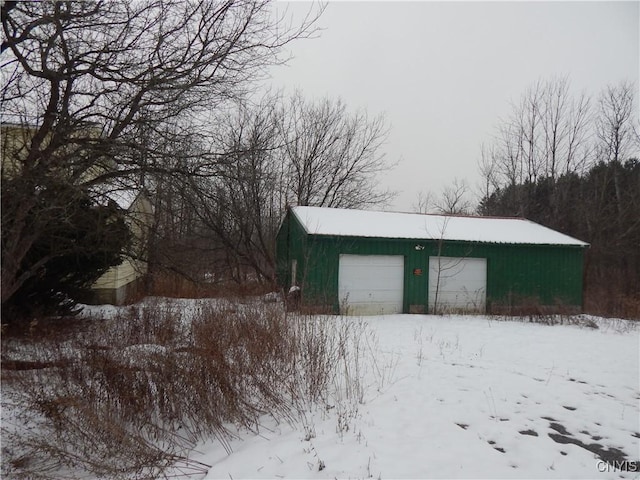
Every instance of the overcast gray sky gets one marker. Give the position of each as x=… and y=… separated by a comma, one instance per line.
x=444, y=73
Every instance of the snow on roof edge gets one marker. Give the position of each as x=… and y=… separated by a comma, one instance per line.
x=401, y=225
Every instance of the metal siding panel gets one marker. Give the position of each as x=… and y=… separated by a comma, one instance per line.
x=542, y=275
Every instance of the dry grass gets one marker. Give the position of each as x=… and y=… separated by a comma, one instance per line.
x=130, y=397
x=164, y=284
x=601, y=302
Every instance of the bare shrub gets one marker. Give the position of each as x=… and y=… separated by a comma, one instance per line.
x=533, y=307
x=316, y=356
x=132, y=395
x=609, y=301
x=175, y=285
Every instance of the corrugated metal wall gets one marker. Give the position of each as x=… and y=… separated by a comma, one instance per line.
x=516, y=274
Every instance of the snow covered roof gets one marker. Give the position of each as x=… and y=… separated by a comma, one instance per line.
x=364, y=223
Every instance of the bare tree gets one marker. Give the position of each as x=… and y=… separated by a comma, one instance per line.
x=614, y=129
x=265, y=164
x=545, y=135
x=615, y=136
x=243, y=206
x=488, y=168
x=438, y=269
x=523, y=134
x=544, y=138
x=284, y=151
x=103, y=87
x=332, y=156
x=453, y=200
x=564, y=123
x=424, y=203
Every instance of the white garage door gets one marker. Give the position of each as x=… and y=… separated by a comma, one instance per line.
x=457, y=284
x=370, y=284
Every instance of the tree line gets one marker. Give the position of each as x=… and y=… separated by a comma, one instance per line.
x=572, y=163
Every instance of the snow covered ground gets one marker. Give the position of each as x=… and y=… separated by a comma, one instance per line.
x=463, y=397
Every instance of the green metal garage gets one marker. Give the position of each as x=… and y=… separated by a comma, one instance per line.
x=366, y=262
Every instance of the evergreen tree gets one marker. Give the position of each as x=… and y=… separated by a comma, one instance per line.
x=70, y=242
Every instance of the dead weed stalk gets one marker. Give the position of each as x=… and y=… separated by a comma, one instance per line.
x=130, y=396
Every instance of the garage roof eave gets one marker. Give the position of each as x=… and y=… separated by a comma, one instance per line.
x=425, y=239
x=336, y=222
